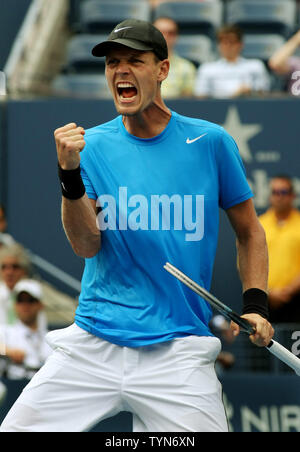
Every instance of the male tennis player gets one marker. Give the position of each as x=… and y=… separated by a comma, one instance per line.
x=140, y=341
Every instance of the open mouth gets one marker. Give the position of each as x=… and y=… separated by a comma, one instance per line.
x=126, y=91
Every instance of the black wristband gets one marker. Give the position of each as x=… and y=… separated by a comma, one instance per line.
x=256, y=302
x=71, y=183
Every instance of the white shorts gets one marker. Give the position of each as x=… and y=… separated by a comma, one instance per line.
x=168, y=387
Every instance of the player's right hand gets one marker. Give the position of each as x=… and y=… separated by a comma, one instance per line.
x=263, y=329
x=69, y=143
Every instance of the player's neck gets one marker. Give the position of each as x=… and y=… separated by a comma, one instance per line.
x=150, y=123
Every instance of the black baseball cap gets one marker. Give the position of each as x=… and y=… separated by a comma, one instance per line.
x=136, y=34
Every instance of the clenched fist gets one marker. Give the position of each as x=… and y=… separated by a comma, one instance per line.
x=69, y=143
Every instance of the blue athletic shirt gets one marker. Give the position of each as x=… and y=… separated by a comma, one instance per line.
x=152, y=193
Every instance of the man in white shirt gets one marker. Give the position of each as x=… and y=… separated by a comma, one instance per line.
x=232, y=75
x=25, y=347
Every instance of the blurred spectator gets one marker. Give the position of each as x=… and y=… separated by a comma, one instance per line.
x=14, y=265
x=3, y=392
x=282, y=62
x=3, y=223
x=282, y=226
x=24, y=342
x=221, y=324
x=5, y=238
x=221, y=328
x=232, y=75
x=181, y=79
x=155, y=3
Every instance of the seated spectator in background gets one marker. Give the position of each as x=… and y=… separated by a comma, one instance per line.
x=3, y=391
x=221, y=328
x=232, y=75
x=282, y=226
x=25, y=347
x=3, y=222
x=155, y=3
x=282, y=62
x=5, y=238
x=181, y=78
x=14, y=265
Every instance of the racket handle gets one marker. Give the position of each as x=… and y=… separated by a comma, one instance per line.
x=243, y=323
x=285, y=355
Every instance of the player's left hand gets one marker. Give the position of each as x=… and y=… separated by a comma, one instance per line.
x=263, y=329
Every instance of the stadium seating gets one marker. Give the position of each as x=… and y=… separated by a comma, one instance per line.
x=74, y=11
x=101, y=16
x=81, y=85
x=265, y=23
x=261, y=46
x=193, y=17
x=196, y=48
x=262, y=16
x=79, y=57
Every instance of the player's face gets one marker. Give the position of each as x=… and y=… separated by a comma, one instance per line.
x=133, y=78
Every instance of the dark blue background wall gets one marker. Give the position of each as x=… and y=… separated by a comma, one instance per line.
x=11, y=17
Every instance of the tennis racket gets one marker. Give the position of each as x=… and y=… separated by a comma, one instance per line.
x=274, y=347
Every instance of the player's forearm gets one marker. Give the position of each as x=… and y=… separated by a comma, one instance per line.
x=79, y=222
x=251, y=245
x=253, y=260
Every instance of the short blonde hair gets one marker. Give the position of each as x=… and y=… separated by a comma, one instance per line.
x=18, y=252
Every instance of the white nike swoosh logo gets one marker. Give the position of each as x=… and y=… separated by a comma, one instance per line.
x=120, y=29
x=188, y=141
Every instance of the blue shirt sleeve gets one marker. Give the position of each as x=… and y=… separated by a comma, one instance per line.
x=233, y=184
x=90, y=191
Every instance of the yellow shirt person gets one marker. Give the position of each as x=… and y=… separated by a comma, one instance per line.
x=281, y=223
x=283, y=239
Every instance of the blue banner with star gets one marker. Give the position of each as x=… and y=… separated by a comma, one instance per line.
x=266, y=132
